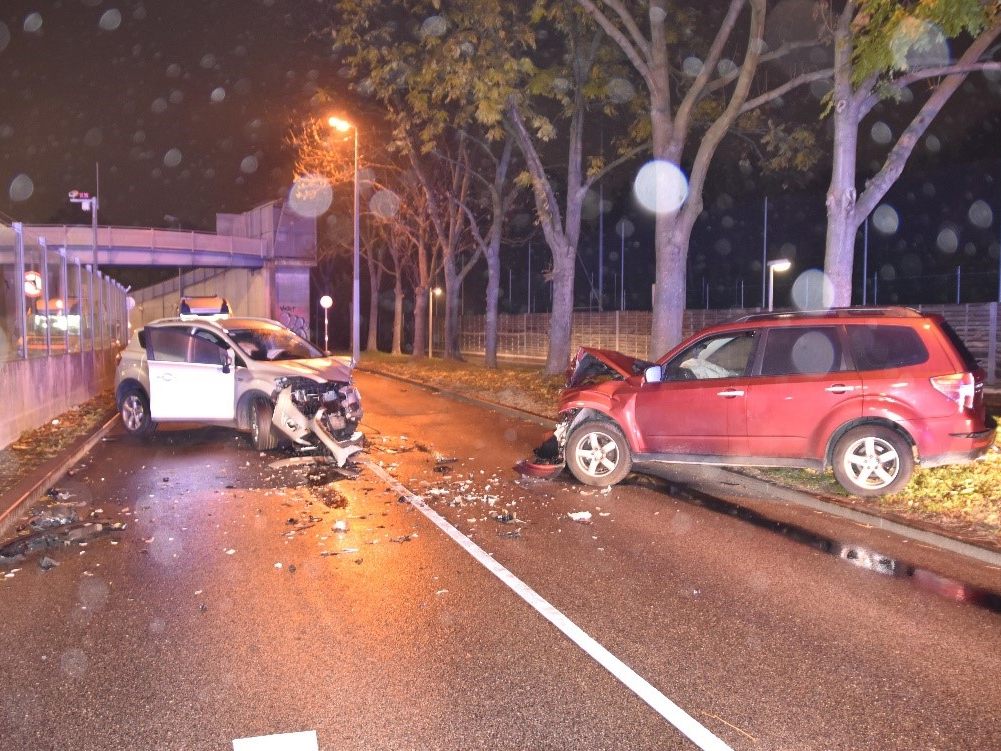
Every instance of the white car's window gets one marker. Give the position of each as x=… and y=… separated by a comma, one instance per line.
x=182, y=344
x=267, y=341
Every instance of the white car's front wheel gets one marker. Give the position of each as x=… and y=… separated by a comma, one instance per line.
x=262, y=432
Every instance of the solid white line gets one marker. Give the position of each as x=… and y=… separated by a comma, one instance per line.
x=663, y=706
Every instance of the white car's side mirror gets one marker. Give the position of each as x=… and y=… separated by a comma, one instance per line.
x=653, y=374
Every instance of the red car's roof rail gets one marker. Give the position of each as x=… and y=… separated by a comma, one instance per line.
x=889, y=311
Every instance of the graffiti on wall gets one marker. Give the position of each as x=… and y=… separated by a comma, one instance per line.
x=295, y=318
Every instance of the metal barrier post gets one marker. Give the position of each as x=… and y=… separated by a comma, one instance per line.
x=64, y=295
x=992, y=343
x=46, y=291
x=22, y=307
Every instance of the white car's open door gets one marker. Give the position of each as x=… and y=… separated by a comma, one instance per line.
x=191, y=375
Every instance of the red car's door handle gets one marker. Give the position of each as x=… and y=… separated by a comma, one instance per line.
x=839, y=388
x=730, y=393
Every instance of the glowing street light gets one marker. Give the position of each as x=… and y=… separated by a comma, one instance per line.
x=344, y=126
x=780, y=265
x=432, y=294
x=325, y=302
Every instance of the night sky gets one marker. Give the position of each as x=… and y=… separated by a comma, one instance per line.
x=186, y=104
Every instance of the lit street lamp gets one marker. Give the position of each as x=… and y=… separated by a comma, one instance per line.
x=344, y=126
x=325, y=302
x=432, y=294
x=780, y=265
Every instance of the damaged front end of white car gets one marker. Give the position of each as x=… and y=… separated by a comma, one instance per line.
x=319, y=416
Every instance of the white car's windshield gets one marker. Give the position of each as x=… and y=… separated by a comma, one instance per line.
x=268, y=341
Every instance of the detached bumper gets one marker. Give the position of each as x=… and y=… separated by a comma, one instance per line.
x=323, y=426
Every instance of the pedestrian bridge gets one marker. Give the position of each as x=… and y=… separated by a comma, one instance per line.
x=140, y=246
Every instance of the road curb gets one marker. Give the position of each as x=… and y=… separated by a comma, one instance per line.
x=787, y=494
x=24, y=493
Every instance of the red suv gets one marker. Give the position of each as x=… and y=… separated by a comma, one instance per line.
x=867, y=391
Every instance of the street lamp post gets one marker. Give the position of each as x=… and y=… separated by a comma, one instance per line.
x=325, y=302
x=343, y=126
x=780, y=265
x=433, y=292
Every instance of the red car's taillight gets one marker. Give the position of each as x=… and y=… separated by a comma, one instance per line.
x=959, y=387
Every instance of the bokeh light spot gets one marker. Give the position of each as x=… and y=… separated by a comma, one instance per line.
x=661, y=187
x=624, y=228
x=218, y=94
x=692, y=66
x=249, y=165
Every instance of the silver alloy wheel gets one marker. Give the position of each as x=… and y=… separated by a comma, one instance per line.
x=597, y=454
x=871, y=462
x=133, y=412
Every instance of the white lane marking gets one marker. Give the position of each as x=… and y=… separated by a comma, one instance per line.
x=305, y=741
x=663, y=706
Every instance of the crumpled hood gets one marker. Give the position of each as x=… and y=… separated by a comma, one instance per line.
x=590, y=363
x=318, y=368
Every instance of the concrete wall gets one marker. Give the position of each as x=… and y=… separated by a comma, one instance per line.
x=45, y=387
x=246, y=289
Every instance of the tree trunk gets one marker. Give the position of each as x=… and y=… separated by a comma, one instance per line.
x=398, y=315
x=490, y=322
x=561, y=318
x=839, y=254
x=374, y=281
x=453, y=287
x=420, y=322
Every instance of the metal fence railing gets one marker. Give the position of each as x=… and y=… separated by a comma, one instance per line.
x=50, y=303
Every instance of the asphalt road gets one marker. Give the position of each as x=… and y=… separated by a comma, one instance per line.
x=242, y=600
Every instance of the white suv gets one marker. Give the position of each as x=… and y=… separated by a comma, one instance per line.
x=252, y=374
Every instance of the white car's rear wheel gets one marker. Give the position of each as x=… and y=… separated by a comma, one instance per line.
x=134, y=411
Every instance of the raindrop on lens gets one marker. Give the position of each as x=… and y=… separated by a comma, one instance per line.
x=310, y=196
x=434, y=26
x=111, y=20
x=4, y=36
x=159, y=106
x=218, y=94
x=660, y=187
x=33, y=23
x=980, y=214
x=812, y=290
x=21, y=188
x=933, y=144
x=885, y=219
x=73, y=662
x=947, y=240
x=249, y=165
x=624, y=228
x=692, y=66
x=207, y=61
x=385, y=204
x=620, y=90
x=881, y=133
x=172, y=158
